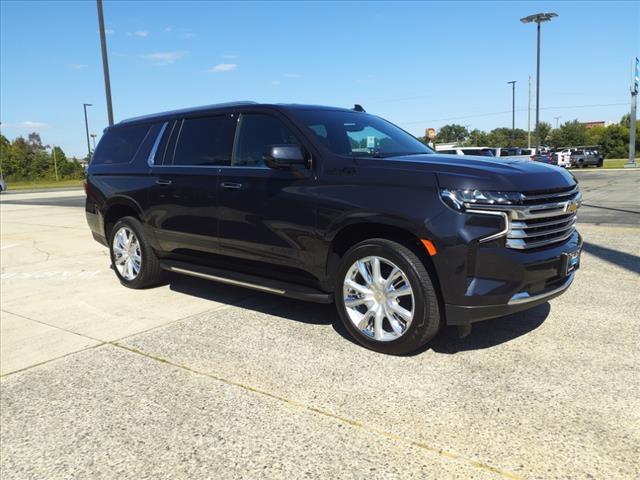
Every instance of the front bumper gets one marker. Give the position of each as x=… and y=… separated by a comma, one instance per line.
x=507, y=281
x=465, y=314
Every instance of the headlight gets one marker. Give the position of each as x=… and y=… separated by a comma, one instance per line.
x=469, y=198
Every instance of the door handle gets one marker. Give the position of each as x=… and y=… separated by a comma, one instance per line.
x=162, y=181
x=231, y=185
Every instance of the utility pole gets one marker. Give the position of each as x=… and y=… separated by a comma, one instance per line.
x=557, y=118
x=86, y=128
x=538, y=18
x=55, y=162
x=632, y=121
x=529, y=117
x=513, y=112
x=105, y=63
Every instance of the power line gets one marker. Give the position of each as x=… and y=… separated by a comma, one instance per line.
x=503, y=112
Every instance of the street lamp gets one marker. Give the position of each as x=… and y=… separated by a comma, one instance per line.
x=538, y=18
x=86, y=127
x=105, y=61
x=513, y=111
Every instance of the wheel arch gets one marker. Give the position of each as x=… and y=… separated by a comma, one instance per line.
x=118, y=207
x=354, y=233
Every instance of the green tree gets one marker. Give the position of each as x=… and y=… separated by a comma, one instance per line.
x=570, y=134
x=544, y=128
x=452, y=133
x=477, y=138
x=30, y=159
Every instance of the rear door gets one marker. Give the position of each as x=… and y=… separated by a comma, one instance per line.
x=184, y=198
x=266, y=215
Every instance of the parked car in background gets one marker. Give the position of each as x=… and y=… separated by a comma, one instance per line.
x=563, y=157
x=478, y=151
x=583, y=158
x=514, y=153
x=3, y=184
x=546, y=157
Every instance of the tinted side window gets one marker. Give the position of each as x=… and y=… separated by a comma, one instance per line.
x=205, y=141
x=256, y=133
x=120, y=144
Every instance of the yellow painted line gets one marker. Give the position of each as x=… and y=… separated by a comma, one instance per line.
x=349, y=421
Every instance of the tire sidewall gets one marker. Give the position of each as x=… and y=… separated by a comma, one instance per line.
x=133, y=225
x=411, y=339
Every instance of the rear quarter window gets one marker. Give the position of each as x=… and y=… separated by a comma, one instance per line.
x=120, y=144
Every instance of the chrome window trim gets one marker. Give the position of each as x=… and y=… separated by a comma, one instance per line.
x=211, y=166
x=156, y=144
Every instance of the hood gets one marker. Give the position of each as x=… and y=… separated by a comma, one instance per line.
x=487, y=173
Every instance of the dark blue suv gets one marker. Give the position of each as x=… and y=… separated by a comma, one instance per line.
x=333, y=205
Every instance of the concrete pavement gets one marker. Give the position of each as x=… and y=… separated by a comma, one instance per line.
x=199, y=380
x=610, y=197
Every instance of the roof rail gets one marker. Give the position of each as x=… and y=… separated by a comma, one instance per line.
x=188, y=110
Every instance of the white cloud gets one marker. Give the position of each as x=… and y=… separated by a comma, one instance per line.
x=141, y=33
x=163, y=58
x=275, y=83
x=223, y=67
x=28, y=124
x=292, y=75
x=230, y=56
x=78, y=66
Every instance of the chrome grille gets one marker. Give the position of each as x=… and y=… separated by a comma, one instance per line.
x=544, y=218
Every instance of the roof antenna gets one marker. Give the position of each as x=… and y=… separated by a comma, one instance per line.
x=358, y=108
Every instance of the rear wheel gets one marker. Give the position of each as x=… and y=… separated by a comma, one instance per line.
x=385, y=297
x=132, y=258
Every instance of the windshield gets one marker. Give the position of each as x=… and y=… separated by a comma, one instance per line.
x=358, y=134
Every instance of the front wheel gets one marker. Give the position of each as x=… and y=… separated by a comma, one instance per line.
x=385, y=297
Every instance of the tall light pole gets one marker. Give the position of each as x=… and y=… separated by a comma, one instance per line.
x=105, y=63
x=86, y=127
x=513, y=111
x=538, y=18
x=556, y=119
x=635, y=79
x=529, y=117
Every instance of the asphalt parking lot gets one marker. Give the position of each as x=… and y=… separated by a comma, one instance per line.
x=199, y=380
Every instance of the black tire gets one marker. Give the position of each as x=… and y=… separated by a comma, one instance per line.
x=427, y=319
x=150, y=273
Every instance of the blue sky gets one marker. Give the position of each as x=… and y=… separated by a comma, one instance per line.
x=418, y=64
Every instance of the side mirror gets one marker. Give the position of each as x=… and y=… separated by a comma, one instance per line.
x=283, y=156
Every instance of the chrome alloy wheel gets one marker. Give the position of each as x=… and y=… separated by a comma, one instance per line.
x=126, y=253
x=378, y=298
